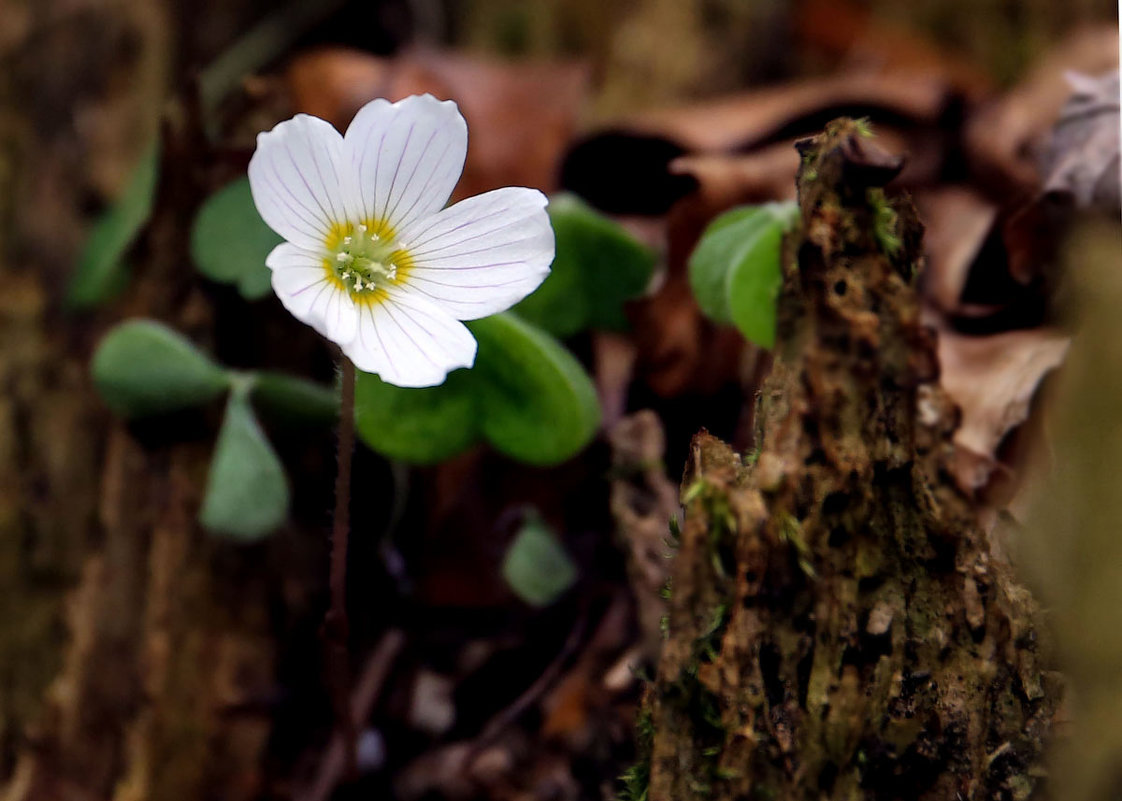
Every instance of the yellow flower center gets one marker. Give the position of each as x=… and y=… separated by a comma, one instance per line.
x=365, y=258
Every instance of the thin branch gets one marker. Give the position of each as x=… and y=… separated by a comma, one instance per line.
x=369, y=686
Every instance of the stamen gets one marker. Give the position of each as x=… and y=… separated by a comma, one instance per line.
x=346, y=240
x=341, y=257
x=362, y=227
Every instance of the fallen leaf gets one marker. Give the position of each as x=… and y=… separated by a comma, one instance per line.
x=993, y=380
x=1082, y=158
x=1004, y=139
x=520, y=115
x=958, y=219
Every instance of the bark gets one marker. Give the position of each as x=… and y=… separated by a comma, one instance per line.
x=838, y=625
x=135, y=651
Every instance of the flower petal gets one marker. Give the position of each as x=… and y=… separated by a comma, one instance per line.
x=302, y=284
x=404, y=158
x=482, y=255
x=295, y=179
x=410, y=342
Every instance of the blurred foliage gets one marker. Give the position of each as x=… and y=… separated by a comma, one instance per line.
x=1071, y=548
x=102, y=269
x=536, y=565
x=230, y=241
x=142, y=368
x=246, y=489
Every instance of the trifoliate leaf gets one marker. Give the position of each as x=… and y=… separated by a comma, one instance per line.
x=230, y=241
x=536, y=565
x=526, y=395
x=294, y=399
x=142, y=367
x=537, y=404
x=246, y=489
x=735, y=271
x=102, y=271
x=597, y=267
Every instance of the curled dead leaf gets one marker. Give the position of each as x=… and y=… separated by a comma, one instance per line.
x=1082, y=158
x=993, y=380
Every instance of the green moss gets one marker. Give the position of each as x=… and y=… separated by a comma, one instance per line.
x=636, y=779
x=791, y=532
x=885, y=222
x=675, y=532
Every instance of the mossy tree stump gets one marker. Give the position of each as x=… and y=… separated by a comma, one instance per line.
x=838, y=627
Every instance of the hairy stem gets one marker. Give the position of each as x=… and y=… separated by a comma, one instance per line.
x=336, y=626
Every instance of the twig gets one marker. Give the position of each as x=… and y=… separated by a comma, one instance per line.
x=510, y=714
x=333, y=766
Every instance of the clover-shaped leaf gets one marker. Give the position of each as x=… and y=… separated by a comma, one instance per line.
x=735, y=270
x=102, y=271
x=536, y=565
x=246, y=489
x=294, y=400
x=142, y=367
x=597, y=267
x=526, y=395
x=230, y=241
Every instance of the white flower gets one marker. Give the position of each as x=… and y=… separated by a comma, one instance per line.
x=373, y=260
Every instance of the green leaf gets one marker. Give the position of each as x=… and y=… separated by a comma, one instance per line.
x=537, y=404
x=526, y=395
x=735, y=271
x=422, y=426
x=294, y=399
x=101, y=271
x=536, y=565
x=142, y=367
x=230, y=241
x=597, y=267
x=246, y=489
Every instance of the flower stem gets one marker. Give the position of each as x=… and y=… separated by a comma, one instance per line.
x=336, y=626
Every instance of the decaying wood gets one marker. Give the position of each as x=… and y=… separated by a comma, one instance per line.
x=838, y=626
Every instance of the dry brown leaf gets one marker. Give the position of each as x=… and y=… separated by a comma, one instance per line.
x=729, y=180
x=958, y=219
x=521, y=115
x=993, y=380
x=1082, y=159
x=731, y=122
x=1003, y=140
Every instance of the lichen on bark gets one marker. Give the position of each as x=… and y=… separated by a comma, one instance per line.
x=838, y=626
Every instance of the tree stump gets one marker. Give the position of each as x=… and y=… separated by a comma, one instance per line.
x=838, y=626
